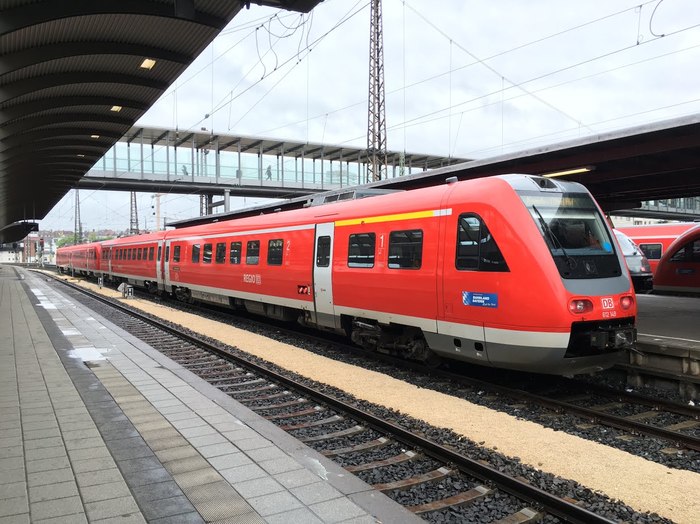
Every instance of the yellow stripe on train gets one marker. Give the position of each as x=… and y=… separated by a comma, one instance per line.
x=394, y=218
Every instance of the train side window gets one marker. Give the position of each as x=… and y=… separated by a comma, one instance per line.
x=323, y=251
x=206, y=255
x=234, y=255
x=160, y=249
x=476, y=248
x=176, y=253
x=138, y=253
x=688, y=253
x=651, y=251
x=274, y=252
x=406, y=249
x=167, y=253
x=195, y=254
x=361, y=250
x=150, y=253
x=221, y=252
x=252, y=252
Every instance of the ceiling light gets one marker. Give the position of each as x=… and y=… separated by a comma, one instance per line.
x=147, y=63
x=80, y=156
x=95, y=136
x=573, y=171
x=116, y=109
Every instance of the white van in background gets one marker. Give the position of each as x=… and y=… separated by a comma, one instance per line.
x=637, y=263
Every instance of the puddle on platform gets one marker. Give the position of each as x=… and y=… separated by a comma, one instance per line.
x=90, y=355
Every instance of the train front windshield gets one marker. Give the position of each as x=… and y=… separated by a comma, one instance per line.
x=575, y=233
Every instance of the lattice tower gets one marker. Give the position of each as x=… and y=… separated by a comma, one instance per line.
x=376, y=128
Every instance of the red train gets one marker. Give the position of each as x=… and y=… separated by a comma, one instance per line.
x=82, y=259
x=513, y=271
x=655, y=239
x=679, y=268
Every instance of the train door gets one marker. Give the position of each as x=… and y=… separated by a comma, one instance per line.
x=160, y=261
x=466, y=294
x=323, y=276
x=166, y=267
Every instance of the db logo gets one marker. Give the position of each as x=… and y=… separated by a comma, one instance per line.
x=303, y=290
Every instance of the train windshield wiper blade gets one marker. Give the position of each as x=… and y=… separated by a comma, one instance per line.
x=553, y=240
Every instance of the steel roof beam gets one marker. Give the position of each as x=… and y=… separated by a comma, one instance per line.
x=27, y=15
x=31, y=107
x=30, y=85
x=61, y=50
x=37, y=122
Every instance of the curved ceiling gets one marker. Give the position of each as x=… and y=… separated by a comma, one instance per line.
x=72, y=82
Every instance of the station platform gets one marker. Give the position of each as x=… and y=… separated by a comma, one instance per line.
x=136, y=438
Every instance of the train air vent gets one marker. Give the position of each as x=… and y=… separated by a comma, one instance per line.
x=348, y=194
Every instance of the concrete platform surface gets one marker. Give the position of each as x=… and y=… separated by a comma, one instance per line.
x=97, y=426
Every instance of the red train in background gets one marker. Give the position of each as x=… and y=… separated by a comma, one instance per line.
x=675, y=249
x=678, y=271
x=513, y=271
x=655, y=239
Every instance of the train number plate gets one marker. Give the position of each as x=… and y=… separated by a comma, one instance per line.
x=607, y=303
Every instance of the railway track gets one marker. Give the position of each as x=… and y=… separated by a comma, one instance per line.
x=408, y=466
x=635, y=415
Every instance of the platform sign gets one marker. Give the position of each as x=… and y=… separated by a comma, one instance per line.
x=470, y=298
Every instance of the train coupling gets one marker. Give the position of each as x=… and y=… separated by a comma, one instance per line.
x=618, y=338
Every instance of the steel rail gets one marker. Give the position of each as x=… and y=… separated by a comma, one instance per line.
x=551, y=503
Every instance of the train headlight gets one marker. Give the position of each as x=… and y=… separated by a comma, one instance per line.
x=626, y=302
x=579, y=306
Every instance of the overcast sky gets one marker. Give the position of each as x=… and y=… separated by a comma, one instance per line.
x=471, y=79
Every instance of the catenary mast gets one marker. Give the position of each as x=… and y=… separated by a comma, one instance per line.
x=376, y=128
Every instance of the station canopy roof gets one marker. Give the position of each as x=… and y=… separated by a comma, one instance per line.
x=75, y=76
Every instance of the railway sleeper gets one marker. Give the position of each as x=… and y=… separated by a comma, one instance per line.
x=396, y=459
x=302, y=413
x=460, y=499
x=430, y=476
x=336, y=434
x=523, y=516
x=295, y=402
x=313, y=423
x=260, y=398
x=365, y=446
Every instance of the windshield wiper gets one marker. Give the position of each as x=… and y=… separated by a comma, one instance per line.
x=553, y=240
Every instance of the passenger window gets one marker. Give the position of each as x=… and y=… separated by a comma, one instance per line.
x=235, y=253
x=688, y=253
x=195, y=254
x=150, y=253
x=406, y=249
x=651, y=251
x=221, y=252
x=160, y=248
x=323, y=251
x=138, y=253
x=206, y=256
x=274, y=252
x=476, y=248
x=361, y=250
x=252, y=252
x=176, y=253
x=167, y=253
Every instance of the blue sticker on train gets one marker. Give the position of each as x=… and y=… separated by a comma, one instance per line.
x=479, y=299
